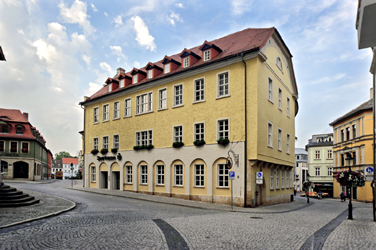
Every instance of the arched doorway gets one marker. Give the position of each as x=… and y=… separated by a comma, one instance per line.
x=20, y=169
x=4, y=167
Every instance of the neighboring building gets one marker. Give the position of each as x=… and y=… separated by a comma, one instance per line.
x=67, y=172
x=57, y=165
x=301, y=168
x=320, y=162
x=240, y=88
x=2, y=57
x=23, y=149
x=353, y=134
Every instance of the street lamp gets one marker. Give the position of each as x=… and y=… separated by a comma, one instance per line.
x=307, y=194
x=349, y=160
x=71, y=175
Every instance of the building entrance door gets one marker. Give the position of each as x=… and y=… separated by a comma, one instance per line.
x=115, y=180
x=20, y=170
x=104, y=180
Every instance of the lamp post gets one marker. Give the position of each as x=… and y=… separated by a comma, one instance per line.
x=349, y=160
x=71, y=175
x=307, y=194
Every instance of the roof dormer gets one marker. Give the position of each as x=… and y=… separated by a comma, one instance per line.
x=137, y=75
x=112, y=84
x=188, y=58
x=124, y=80
x=153, y=70
x=209, y=50
x=169, y=64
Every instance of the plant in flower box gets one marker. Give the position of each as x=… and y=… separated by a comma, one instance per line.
x=94, y=151
x=104, y=151
x=13, y=150
x=199, y=143
x=351, y=178
x=114, y=150
x=24, y=150
x=178, y=144
x=223, y=141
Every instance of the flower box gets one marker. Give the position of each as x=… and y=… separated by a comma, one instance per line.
x=351, y=178
x=178, y=144
x=223, y=141
x=13, y=150
x=114, y=150
x=25, y=150
x=199, y=143
x=143, y=147
x=94, y=151
x=104, y=151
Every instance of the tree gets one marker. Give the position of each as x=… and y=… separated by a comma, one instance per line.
x=61, y=154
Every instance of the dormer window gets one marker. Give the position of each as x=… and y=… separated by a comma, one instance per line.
x=19, y=130
x=186, y=62
x=4, y=129
x=122, y=83
x=167, y=68
x=207, y=55
x=109, y=87
x=134, y=79
x=150, y=73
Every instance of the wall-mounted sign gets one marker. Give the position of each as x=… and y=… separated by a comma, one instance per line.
x=109, y=158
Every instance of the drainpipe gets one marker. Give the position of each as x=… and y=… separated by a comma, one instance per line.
x=373, y=156
x=245, y=128
x=83, y=152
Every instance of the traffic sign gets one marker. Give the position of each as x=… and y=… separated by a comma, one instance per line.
x=259, y=178
x=369, y=170
x=231, y=174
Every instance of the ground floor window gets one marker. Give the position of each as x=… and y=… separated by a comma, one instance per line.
x=178, y=175
x=144, y=174
x=4, y=167
x=222, y=175
x=129, y=174
x=199, y=175
x=93, y=174
x=160, y=174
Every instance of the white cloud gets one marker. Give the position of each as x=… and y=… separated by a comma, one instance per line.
x=116, y=50
x=93, y=88
x=93, y=7
x=143, y=38
x=240, y=6
x=105, y=13
x=104, y=66
x=179, y=5
x=76, y=14
x=87, y=59
x=329, y=78
x=118, y=20
x=136, y=64
x=173, y=17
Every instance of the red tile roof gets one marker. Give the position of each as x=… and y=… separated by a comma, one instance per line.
x=242, y=41
x=67, y=160
x=13, y=115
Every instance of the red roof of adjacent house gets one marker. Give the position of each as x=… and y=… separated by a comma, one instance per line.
x=67, y=160
x=243, y=41
x=12, y=115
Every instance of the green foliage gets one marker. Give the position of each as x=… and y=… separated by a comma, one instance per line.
x=199, y=143
x=223, y=141
x=178, y=144
x=61, y=154
x=104, y=151
x=143, y=147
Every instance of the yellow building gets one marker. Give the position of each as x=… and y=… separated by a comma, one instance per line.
x=353, y=134
x=166, y=125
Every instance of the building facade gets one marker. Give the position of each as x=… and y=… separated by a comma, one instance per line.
x=23, y=149
x=353, y=134
x=301, y=168
x=166, y=126
x=67, y=171
x=57, y=165
x=320, y=162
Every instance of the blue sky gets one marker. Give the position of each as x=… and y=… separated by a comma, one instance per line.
x=59, y=51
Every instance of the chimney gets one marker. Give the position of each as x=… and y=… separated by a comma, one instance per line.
x=26, y=115
x=371, y=93
x=119, y=71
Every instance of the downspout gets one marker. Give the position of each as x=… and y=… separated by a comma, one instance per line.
x=373, y=155
x=245, y=128
x=83, y=152
x=34, y=164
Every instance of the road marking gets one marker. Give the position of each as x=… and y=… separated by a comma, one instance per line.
x=173, y=238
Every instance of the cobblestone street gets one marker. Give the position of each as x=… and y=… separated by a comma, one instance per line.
x=111, y=222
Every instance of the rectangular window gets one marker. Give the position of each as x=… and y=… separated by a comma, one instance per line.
x=330, y=171
x=19, y=130
x=127, y=107
x=129, y=177
x=160, y=174
x=96, y=115
x=317, y=171
x=13, y=147
x=178, y=95
x=144, y=138
x=144, y=174
x=116, y=141
x=162, y=99
x=223, y=129
x=199, y=90
x=134, y=79
x=342, y=135
x=223, y=84
x=288, y=107
x=199, y=132
x=93, y=174
x=280, y=139
x=25, y=147
x=186, y=62
x=330, y=154
x=277, y=178
x=116, y=110
x=178, y=175
x=280, y=98
x=109, y=87
x=105, y=142
x=178, y=134
x=144, y=103
x=122, y=83
x=287, y=178
x=150, y=73
x=2, y=146
x=317, y=154
x=4, y=129
x=95, y=143
x=106, y=112
x=283, y=179
x=271, y=178
x=222, y=175
x=270, y=90
x=354, y=130
x=167, y=68
x=207, y=55
x=288, y=144
x=270, y=135
x=348, y=133
x=199, y=175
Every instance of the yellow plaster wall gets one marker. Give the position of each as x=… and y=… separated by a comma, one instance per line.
x=198, y=190
x=115, y=167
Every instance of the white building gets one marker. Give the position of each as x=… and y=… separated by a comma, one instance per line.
x=301, y=168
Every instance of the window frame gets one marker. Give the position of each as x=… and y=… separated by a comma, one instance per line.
x=287, y=143
x=270, y=90
x=330, y=171
x=279, y=63
x=122, y=83
x=279, y=144
x=148, y=139
x=279, y=98
x=128, y=108
x=116, y=111
x=104, y=145
x=224, y=176
x=200, y=134
x=317, y=171
x=96, y=145
x=143, y=174
x=277, y=186
x=186, y=62
x=160, y=175
x=106, y=114
x=150, y=73
x=269, y=131
x=93, y=176
x=207, y=55
x=199, y=177
x=282, y=178
x=175, y=104
x=176, y=174
x=28, y=147
x=167, y=68
x=288, y=107
x=162, y=99
x=17, y=147
x=201, y=91
x=317, y=154
x=175, y=129
x=224, y=131
x=329, y=154
x=271, y=178
x=225, y=85
x=96, y=116
x=148, y=104
x=128, y=174
x=134, y=79
x=114, y=141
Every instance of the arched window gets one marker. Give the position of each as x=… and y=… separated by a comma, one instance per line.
x=279, y=63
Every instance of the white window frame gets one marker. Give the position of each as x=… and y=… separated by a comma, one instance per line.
x=279, y=139
x=106, y=112
x=199, y=136
x=96, y=115
x=288, y=107
x=143, y=174
x=160, y=175
x=200, y=91
x=144, y=103
x=200, y=176
x=134, y=79
x=167, y=68
x=271, y=178
x=114, y=141
x=96, y=143
x=177, y=135
x=181, y=95
x=270, y=90
x=269, y=138
x=129, y=174
x=144, y=136
x=291, y=179
x=104, y=142
x=282, y=178
x=288, y=144
x=280, y=99
x=330, y=154
x=93, y=174
x=219, y=132
x=109, y=87
x=162, y=99
x=277, y=179
x=128, y=108
x=317, y=154
x=317, y=171
x=178, y=182
x=278, y=62
x=225, y=85
x=223, y=176
x=122, y=83
x=150, y=73
x=287, y=178
x=186, y=62
x=116, y=110
x=207, y=55
x=330, y=171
